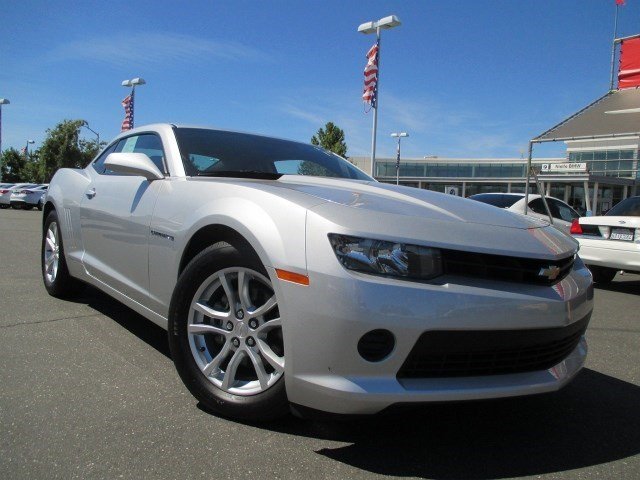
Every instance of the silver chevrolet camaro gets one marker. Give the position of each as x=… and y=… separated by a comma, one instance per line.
x=287, y=278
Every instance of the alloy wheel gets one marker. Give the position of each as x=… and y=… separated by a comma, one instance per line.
x=51, y=253
x=235, y=331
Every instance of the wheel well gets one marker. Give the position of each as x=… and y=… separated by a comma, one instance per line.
x=209, y=235
x=48, y=207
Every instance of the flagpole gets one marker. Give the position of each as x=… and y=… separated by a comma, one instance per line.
x=375, y=111
x=613, y=46
x=133, y=104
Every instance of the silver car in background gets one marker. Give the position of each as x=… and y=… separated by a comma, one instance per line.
x=28, y=197
x=287, y=277
x=6, y=192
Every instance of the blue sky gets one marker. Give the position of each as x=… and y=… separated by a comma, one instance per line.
x=463, y=77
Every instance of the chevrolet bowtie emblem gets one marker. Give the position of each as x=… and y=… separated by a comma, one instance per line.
x=551, y=272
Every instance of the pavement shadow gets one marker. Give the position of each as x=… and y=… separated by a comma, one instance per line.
x=628, y=283
x=594, y=420
x=131, y=321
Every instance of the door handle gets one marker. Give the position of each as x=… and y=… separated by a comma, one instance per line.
x=90, y=193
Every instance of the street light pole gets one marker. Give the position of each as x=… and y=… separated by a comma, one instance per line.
x=399, y=135
x=132, y=83
x=26, y=148
x=3, y=101
x=86, y=125
x=375, y=27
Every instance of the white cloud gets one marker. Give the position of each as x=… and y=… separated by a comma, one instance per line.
x=151, y=49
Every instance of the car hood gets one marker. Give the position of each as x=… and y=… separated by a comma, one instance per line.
x=406, y=201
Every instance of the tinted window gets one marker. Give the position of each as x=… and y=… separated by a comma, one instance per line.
x=209, y=152
x=630, y=207
x=537, y=206
x=564, y=211
x=502, y=201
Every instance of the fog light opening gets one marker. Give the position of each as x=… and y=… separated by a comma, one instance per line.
x=376, y=345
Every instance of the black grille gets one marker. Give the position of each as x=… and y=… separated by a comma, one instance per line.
x=499, y=267
x=495, y=352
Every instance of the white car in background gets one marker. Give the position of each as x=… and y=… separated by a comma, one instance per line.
x=28, y=197
x=561, y=213
x=610, y=242
x=5, y=193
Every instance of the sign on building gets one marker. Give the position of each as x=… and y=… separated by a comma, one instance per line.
x=452, y=190
x=563, y=167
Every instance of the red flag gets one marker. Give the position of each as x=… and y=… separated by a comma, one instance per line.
x=629, y=73
x=127, y=123
x=370, y=93
x=619, y=2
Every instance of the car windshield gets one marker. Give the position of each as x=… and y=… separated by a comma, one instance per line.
x=629, y=207
x=219, y=153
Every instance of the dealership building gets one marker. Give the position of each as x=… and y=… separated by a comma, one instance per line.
x=600, y=167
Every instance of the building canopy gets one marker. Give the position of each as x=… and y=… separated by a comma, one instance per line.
x=613, y=115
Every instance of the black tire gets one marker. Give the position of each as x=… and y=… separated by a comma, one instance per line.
x=15, y=206
x=26, y=206
x=602, y=275
x=63, y=285
x=267, y=405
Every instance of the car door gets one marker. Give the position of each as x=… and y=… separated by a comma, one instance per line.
x=115, y=217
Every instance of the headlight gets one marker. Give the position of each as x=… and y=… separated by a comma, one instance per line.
x=380, y=257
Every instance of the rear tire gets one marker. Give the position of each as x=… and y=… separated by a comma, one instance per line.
x=225, y=347
x=602, y=275
x=55, y=274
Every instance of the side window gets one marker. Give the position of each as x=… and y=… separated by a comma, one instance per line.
x=98, y=165
x=537, y=206
x=148, y=143
x=565, y=212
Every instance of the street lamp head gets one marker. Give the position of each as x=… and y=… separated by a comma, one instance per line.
x=4, y=101
x=31, y=141
x=368, y=27
x=400, y=134
x=385, y=23
x=138, y=81
x=388, y=22
x=126, y=83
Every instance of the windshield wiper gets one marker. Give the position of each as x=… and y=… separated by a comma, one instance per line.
x=241, y=174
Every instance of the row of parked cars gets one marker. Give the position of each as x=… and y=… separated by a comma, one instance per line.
x=23, y=195
x=608, y=243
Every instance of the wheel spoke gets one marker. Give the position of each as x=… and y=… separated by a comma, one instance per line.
x=243, y=290
x=231, y=298
x=207, y=311
x=263, y=376
x=268, y=305
x=271, y=324
x=214, y=364
x=202, y=328
x=274, y=360
x=51, y=235
x=232, y=367
x=50, y=244
x=48, y=261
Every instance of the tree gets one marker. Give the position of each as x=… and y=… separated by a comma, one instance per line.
x=331, y=138
x=12, y=165
x=63, y=148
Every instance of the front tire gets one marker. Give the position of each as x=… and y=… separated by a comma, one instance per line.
x=55, y=274
x=225, y=334
x=602, y=275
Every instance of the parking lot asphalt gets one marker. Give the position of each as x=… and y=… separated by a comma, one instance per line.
x=88, y=390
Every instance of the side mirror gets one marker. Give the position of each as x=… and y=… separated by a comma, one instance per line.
x=133, y=164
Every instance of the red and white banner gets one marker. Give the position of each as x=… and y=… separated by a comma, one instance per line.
x=629, y=73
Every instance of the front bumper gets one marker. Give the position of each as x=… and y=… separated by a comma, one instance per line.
x=324, y=322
